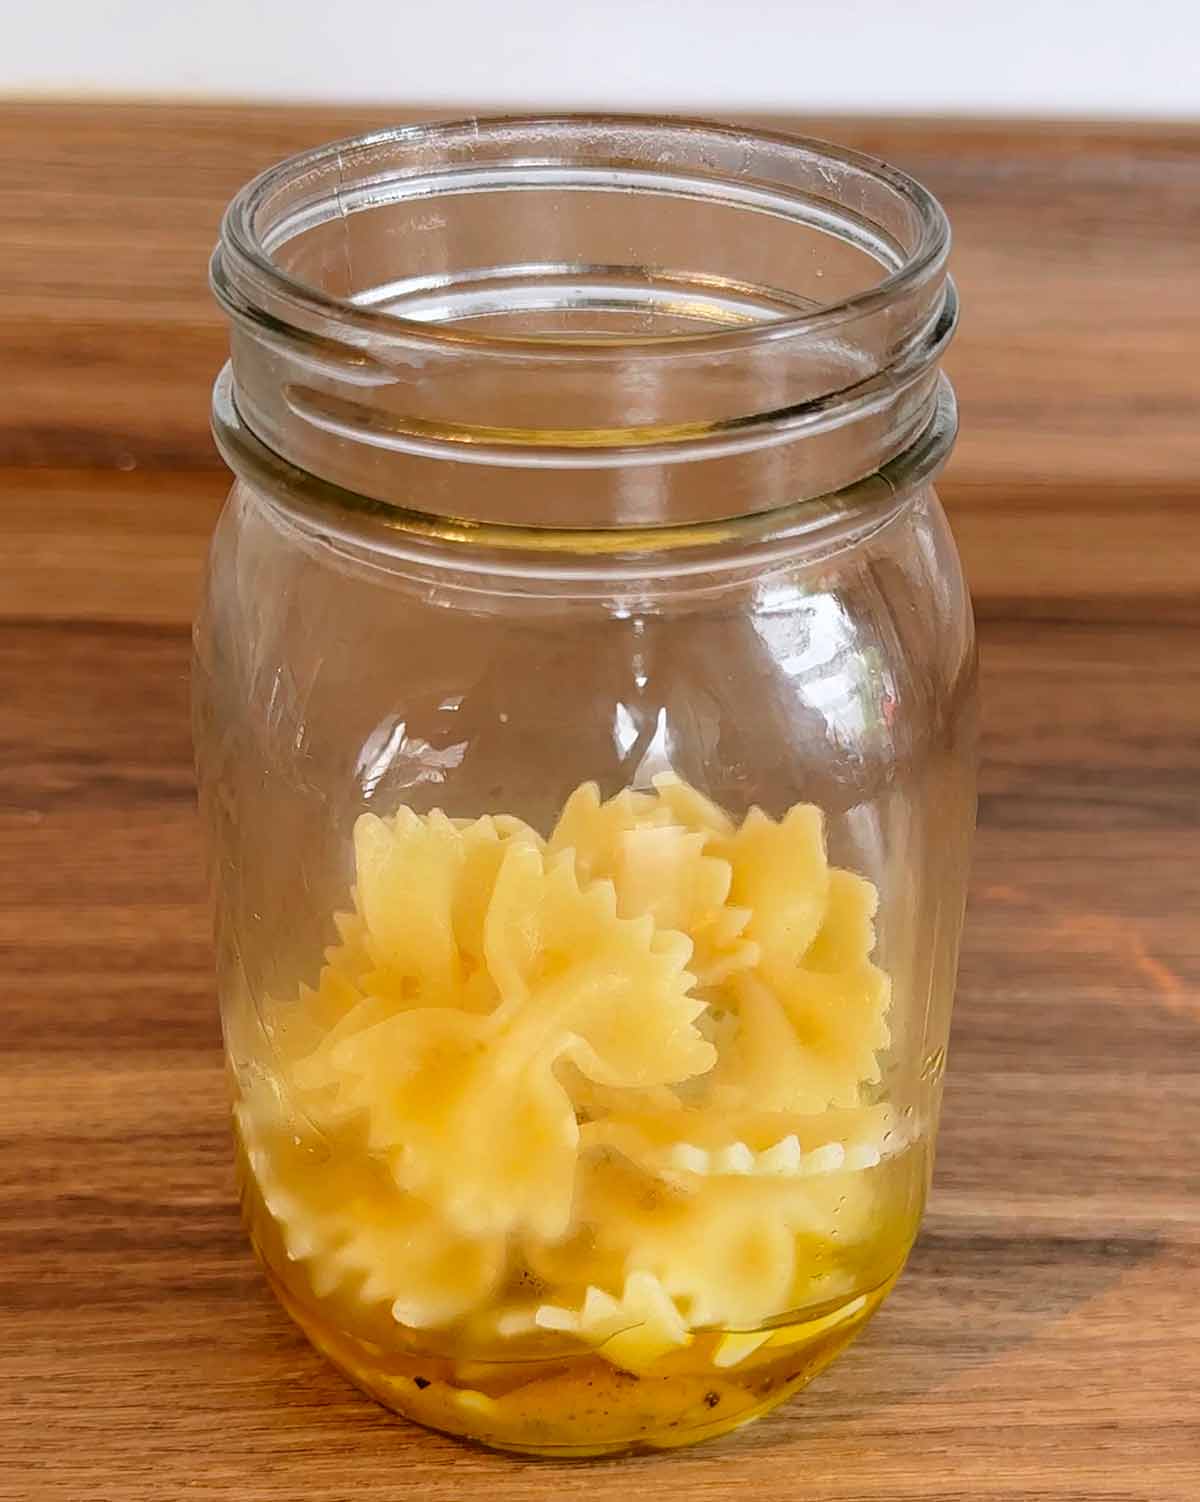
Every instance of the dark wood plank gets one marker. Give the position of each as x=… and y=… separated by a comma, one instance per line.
x=113, y=546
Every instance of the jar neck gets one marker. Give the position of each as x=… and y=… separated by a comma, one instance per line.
x=585, y=323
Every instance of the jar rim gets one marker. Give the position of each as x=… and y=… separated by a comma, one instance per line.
x=243, y=248
x=505, y=548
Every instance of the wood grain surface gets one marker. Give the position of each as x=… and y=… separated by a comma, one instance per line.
x=1045, y=1342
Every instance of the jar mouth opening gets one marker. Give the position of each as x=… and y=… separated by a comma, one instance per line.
x=585, y=322
x=257, y=272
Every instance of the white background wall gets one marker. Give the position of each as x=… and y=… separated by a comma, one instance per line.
x=1052, y=57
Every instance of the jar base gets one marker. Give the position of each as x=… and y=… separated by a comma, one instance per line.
x=582, y=1406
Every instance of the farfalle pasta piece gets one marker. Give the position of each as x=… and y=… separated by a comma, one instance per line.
x=689, y=807
x=614, y=991
x=764, y=1060
x=398, y=950
x=423, y=890
x=408, y=869
x=683, y=1144
x=594, y=1102
x=836, y=998
x=467, y=1108
x=293, y=1028
x=780, y=874
x=659, y=868
x=730, y=1254
x=726, y=1254
x=592, y=827
x=341, y=1216
x=351, y=955
x=809, y=1031
x=633, y=1329
x=663, y=871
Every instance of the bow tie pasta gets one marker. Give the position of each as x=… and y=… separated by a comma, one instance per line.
x=466, y=1106
x=608, y=1090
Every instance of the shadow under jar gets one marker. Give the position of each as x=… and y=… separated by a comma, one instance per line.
x=584, y=706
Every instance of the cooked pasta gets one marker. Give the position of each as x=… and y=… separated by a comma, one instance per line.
x=630, y=1061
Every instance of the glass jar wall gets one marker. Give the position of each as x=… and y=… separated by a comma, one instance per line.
x=584, y=716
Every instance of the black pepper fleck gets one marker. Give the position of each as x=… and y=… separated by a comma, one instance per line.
x=711, y=1399
x=421, y=1382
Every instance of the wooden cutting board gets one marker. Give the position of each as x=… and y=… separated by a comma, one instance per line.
x=1045, y=1342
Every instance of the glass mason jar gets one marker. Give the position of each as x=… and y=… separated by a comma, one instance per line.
x=584, y=705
